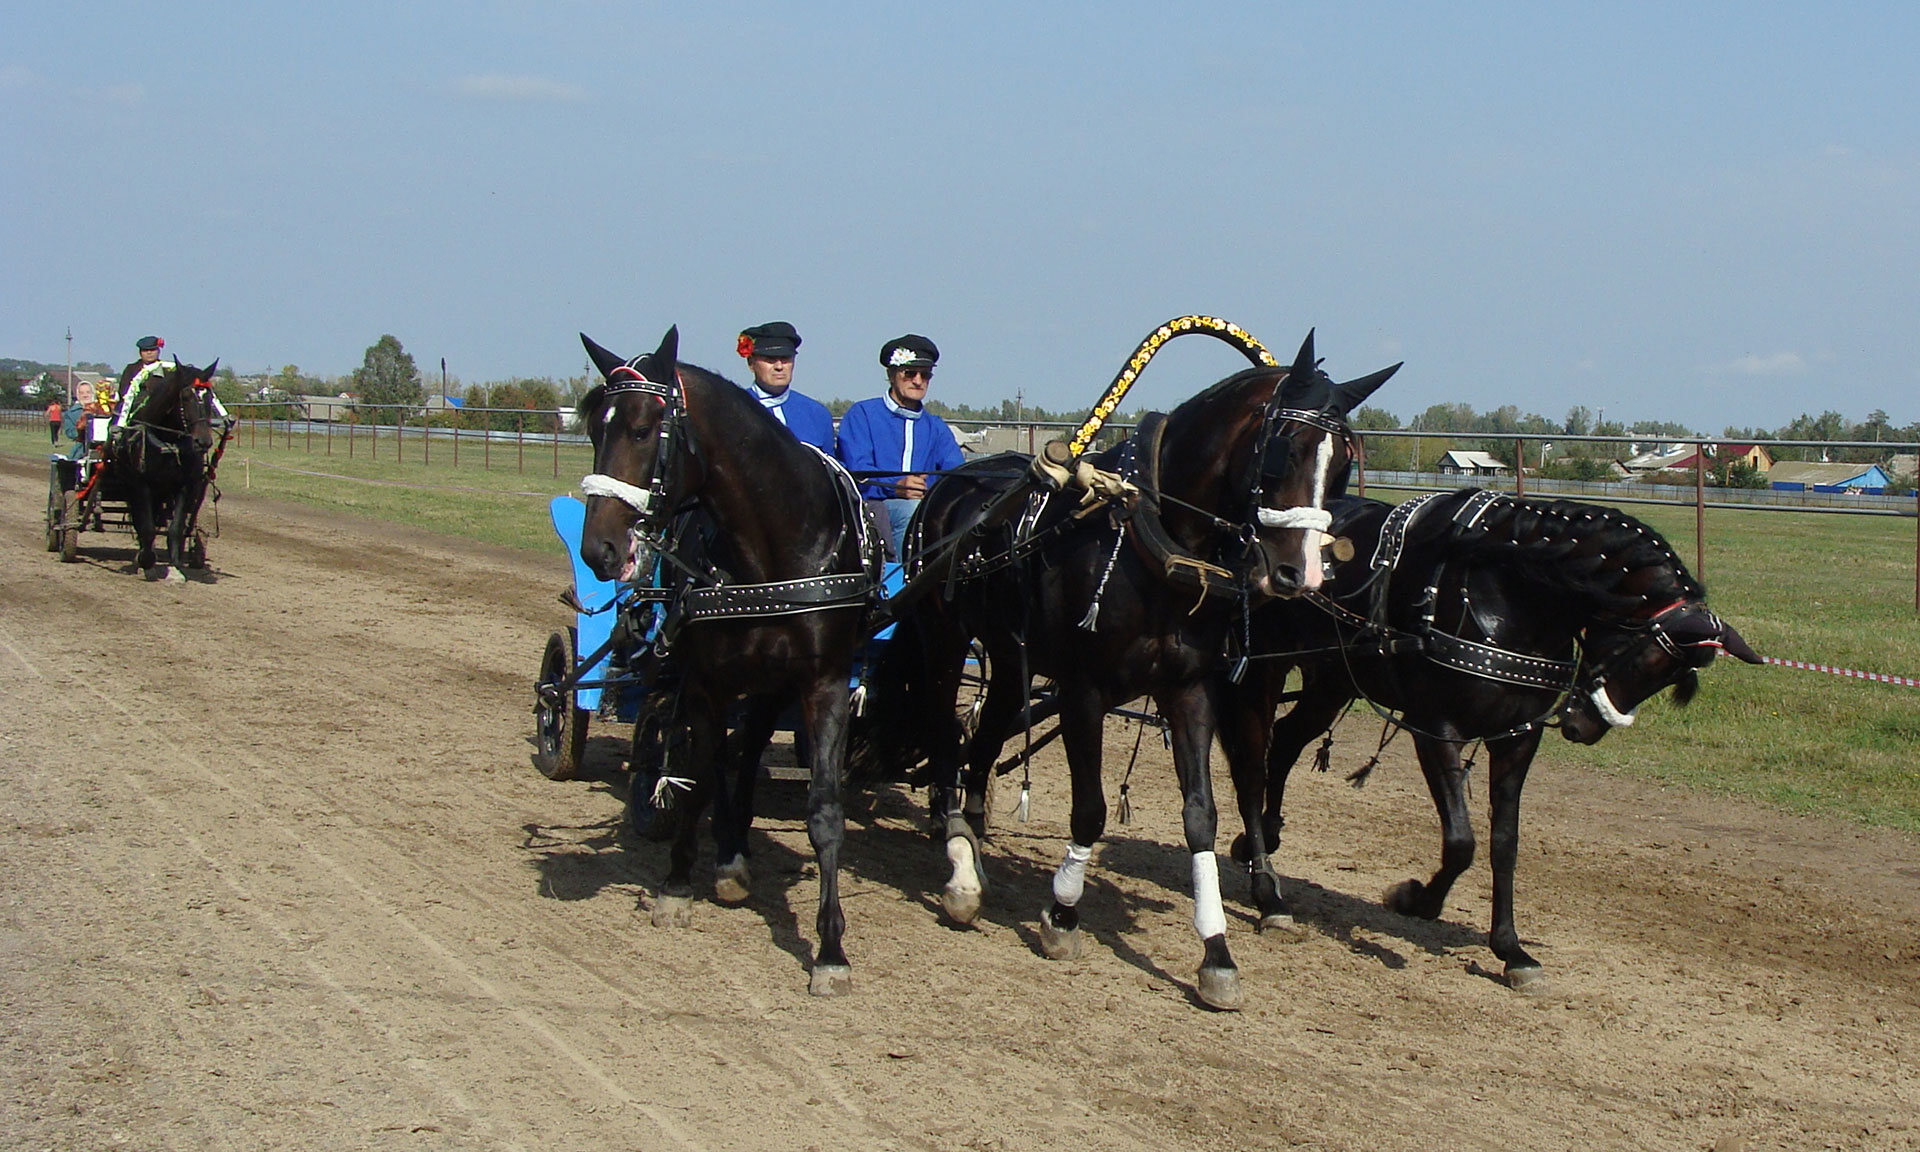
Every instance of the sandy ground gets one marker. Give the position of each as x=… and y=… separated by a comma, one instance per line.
x=278, y=874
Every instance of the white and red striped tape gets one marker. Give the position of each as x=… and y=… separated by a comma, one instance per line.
x=1852, y=673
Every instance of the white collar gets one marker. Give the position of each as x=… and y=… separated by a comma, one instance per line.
x=898, y=410
x=768, y=398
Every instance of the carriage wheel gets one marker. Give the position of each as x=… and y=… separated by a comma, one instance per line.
x=56, y=504
x=559, y=728
x=69, y=529
x=973, y=688
x=644, y=821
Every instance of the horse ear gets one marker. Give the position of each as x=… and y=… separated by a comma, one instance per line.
x=1303, y=361
x=602, y=359
x=211, y=369
x=669, y=350
x=1347, y=396
x=1736, y=645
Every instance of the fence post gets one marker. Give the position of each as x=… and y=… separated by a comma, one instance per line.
x=456, y=443
x=329, y=429
x=556, y=445
x=1360, y=463
x=1519, y=466
x=520, y=438
x=486, y=446
x=1700, y=510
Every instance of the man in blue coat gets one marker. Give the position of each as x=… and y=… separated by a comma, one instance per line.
x=895, y=433
x=769, y=350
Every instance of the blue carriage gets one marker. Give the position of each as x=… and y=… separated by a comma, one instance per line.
x=604, y=666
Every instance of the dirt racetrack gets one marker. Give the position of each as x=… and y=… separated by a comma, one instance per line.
x=277, y=874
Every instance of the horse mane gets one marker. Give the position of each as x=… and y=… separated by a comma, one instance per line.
x=1598, y=553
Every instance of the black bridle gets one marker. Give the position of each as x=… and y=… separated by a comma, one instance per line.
x=652, y=503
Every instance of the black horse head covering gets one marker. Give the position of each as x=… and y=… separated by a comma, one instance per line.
x=658, y=367
x=1309, y=389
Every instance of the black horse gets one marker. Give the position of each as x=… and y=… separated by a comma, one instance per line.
x=1138, y=599
x=772, y=611
x=158, y=462
x=1473, y=616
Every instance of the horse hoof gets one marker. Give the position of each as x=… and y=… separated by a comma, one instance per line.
x=1404, y=897
x=1282, y=927
x=1219, y=988
x=961, y=897
x=831, y=980
x=1059, y=944
x=1528, y=978
x=733, y=884
x=672, y=912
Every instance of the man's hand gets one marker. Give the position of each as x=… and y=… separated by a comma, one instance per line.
x=912, y=487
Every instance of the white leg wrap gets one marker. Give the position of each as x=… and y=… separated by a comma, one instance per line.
x=1071, y=877
x=1209, y=918
x=960, y=855
x=1608, y=712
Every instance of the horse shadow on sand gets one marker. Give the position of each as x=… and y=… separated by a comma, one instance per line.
x=887, y=845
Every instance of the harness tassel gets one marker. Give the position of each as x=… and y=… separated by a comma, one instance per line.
x=1323, y=759
x=1025, y=807
x=1123, y=811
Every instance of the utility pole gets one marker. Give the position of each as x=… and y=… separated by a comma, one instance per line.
x=69, y=366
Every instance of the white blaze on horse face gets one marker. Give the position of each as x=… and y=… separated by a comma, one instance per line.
x=1070, y=880
x=1209, y=918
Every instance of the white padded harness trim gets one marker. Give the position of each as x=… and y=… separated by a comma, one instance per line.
x=597, y=485
x=1295, y=518
x=1608, y=712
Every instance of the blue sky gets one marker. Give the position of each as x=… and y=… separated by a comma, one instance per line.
x=1693, y=212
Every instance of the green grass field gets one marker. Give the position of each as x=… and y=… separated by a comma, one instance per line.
x=1823, y=588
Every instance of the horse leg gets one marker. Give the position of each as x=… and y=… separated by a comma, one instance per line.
x=176, y=537
x=1245, y=729
x=827, y=707
x=967, y=885
x=1191, y=711
x=140, y=509
x=701, y=730
x=1446, y=783
x=733, y=799
x=1508, y=761
x=1082, y=713
x=1313, y=714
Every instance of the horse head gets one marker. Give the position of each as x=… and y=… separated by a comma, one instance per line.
x=194, y=401
x=633, y=418
x=1626, y=661
x=1303, y=456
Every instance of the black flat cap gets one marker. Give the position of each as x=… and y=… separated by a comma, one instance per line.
x=778, y=339
x=909, y=351
x=150, y=343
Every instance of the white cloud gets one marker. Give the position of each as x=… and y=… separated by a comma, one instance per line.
x=498, y=86
x=1773, y=364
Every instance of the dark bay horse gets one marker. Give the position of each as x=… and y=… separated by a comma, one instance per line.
x=1473, y=616
x=1138, y=600
x=773, y=610
x=159, y=461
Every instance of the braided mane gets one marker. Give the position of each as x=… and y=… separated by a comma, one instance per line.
x=1616, y=561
